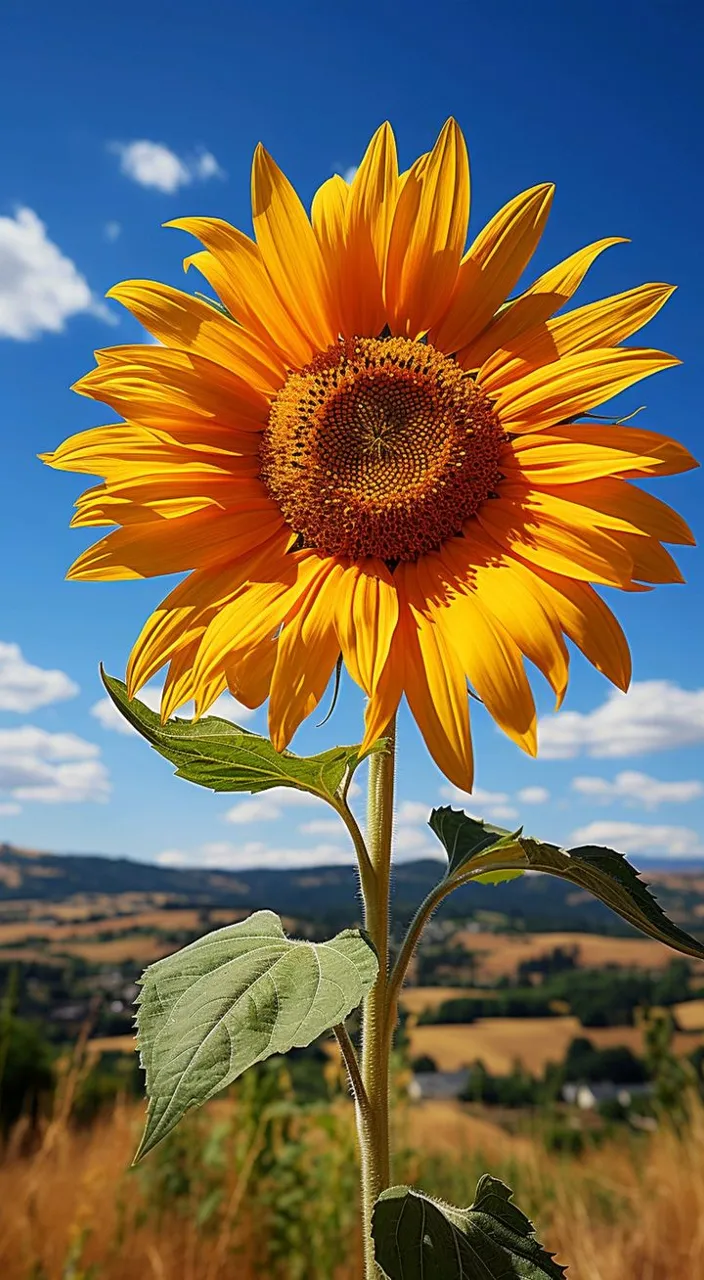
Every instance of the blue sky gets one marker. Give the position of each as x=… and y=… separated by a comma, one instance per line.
x=601, y=99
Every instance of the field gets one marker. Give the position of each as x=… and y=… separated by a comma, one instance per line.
x=498, y=955
x=501, y=1042
x=102, y=933
x=74, y=1209
x=263, y=1186
x=690, y=1016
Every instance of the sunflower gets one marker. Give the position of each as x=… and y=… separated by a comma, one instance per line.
x=362, y=449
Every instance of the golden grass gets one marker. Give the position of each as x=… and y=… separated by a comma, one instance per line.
x=418, y=999
x=500, y=1042
x=655, y=1227
x=159, y=921
x=499, y=954
x=110, y=1044
x=690, y=1015
x=140, y=947
x=73, y=1203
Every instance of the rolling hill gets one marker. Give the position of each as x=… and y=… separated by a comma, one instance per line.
x=534, y=902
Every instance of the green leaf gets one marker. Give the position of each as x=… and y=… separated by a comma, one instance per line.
x=465, y=837
x=233, y=998
x=218, y=754
x=474, y=847
x=416, y=1238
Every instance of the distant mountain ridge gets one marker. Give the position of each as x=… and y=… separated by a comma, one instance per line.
x=330, y=893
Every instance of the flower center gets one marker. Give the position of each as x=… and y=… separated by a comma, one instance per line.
x=380, y=448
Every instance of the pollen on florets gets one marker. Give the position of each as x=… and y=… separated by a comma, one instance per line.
x=380, y=447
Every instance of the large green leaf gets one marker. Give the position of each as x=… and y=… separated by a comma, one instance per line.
x=224, y=757
x=475, y=848
x=415, y=1238
x=233, y=998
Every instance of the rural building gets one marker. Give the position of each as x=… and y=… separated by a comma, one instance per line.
x=589, y=1096
x=438, y=1084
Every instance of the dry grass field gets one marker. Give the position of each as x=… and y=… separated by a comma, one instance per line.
x=18, y=931
x=501, y=1042
x=628, y=1211
x=417, y=999
x=690, y=1016
x=499, y=954
x=142, y=948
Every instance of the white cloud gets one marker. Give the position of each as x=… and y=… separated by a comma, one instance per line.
x=321, y=827
x=482, y=804
x=255, y=854
x=10, y=810
x=112, y=231
x=269, y=806
x=24, y=687
x=655, y=715
x=206, y=166
x=110, y=718
x=40, y=288
x=533, y=795
x=258, y=809
x=350, y=173
x=637, y=788
x=636, y=837
x=417, y=842
x=151, y=164
x=52, y=768
x=412, y=811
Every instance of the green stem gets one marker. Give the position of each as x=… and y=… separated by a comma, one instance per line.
x=419, y=921
x=376, y=1031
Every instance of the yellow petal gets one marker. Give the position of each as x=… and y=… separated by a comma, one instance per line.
x=428, y=236
x=179, y=685
x=172, y=546
x=366, y=613
x=636, y=510
x=383, y=704
x=487, y=654
x=511, y=592
x=590, y=555
x=168, y=494
x=99, y=506
x=590, y=625
x=127, y=449
x=290, y=251
x=600, y=324
x=370, y=210
x=580, y=451
x=328, y=215
x=562, y=506
x=255, y=612
x=192, y=604
x=307, y=651
x=573, y=385
x=651, y=561
x=193, y=325
x=435, y=684
x=249, y=682
x=233, y=266
x=491, y=267
x=157, y=386
x=533, y=307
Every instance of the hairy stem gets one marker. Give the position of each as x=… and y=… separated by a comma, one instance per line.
x=349, y=1057
x=421, y=918
x=376, y=1033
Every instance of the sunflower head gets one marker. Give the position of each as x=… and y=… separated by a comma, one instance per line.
x=369, y=445
x=380, y=447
